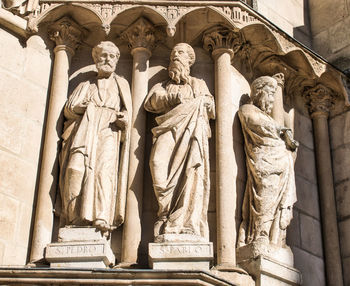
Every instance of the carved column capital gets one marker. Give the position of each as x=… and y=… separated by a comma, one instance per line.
x=319, y=100
x=221, y=39
x=141, y=34
x=66, y=34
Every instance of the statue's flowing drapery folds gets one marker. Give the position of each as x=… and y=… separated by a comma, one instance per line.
x=180, y=155
x=94, y=157
x=270, y=190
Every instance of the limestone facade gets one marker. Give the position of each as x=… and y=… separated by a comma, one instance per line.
x=43, y=61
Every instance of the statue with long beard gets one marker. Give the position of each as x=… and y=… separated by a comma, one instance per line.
x=180, y=156
x=95, y=151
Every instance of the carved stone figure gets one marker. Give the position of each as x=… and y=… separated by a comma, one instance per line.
x=270, y=154
x=94, y=157
x=180, y=157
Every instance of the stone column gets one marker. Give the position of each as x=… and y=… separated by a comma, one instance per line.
x=278, y=109
x=141, y=39
x=222, y=43
x=66, y=34
x=320, y=102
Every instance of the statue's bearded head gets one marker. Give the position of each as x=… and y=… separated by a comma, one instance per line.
x=106, y=56
x=182, y=58
x=263, y=91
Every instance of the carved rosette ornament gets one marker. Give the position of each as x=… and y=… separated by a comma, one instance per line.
x=319, y=100
x=221, y=38
x=140, y=34
x=66, y=32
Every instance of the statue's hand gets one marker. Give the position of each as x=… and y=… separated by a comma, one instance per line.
x=287, y=135
x=210, y=105
x=286, y=217
x=122, y=120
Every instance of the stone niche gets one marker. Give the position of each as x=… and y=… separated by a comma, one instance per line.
x=192, y=236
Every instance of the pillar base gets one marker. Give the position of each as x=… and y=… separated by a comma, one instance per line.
x=80, y=247
x=180, y=255
x=268, y=272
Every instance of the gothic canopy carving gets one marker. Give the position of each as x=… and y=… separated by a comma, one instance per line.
x=258, y=45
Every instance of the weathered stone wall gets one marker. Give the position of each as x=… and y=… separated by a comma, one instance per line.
x=304, y=235
x=25, y=70
x=290, y=16
x=340, y=144
x=330, y=20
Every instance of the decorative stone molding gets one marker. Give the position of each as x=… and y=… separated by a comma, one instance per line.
x=65, y=32
x=222, y=38
x=238, y=15
x=320, y=100
x=140, y=34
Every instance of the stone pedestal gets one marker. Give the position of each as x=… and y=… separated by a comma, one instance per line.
x=180, y=255
x=269, y=272
x=80, y=247
x=255, y=249
x=269, y=264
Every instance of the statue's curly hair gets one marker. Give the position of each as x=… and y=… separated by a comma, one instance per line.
x=257, y=86
x=100, y=46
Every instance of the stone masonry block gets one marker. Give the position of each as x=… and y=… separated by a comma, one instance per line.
x=307, y=195
x=24, y=224
x=321, y=43
x=305, y=165
x=344, y=234
x=18, y=178
x=303, y=130
x=339, y=35
x=323, y=14
x=311, y=267
x=339, y=128
x=293, y=231
x=341, y=161
x=346, y=272
x=12, y=129
x=37, y=67
x=9, y=212
x=311, y=235
x=22, y=98
x=12, y=55
x=342, y=195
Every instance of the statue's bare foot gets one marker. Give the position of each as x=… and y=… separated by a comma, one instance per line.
x=101, y=224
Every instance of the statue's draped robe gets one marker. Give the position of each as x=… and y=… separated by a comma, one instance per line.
x=270, y=177
x=95, y=153
x=183, y=196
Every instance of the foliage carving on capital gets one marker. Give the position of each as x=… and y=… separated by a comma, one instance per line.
x=140, y=34
x=65, y=32
x=222, y=38
x=319, y=99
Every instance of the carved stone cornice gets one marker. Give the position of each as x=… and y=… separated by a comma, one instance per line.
x=320, y=99
x=141, y=34
x=222, y=38
x=65, y=32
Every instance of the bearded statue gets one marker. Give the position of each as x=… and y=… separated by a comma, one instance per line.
x=95, y=151
x=270, y=153
x=179, y=160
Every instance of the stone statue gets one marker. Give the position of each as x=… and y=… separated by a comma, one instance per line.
x=95, y=152
x=270, y=153
x=180, y=157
